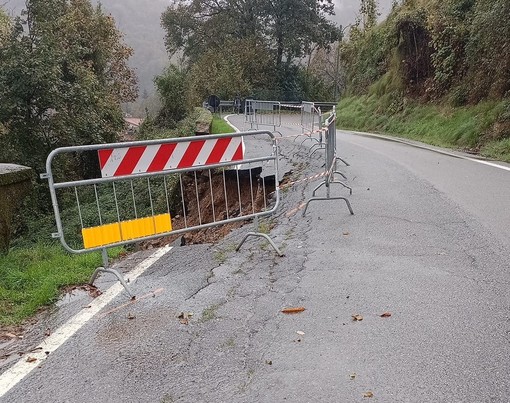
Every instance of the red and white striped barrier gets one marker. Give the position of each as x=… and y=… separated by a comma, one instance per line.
x=161, y=157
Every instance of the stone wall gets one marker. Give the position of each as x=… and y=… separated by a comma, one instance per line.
x=15, y=184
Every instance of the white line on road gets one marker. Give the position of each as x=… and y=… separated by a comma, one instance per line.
x=22, y=368
x=425, y=147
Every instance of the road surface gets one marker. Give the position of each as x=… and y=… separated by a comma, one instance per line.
x=428, y=245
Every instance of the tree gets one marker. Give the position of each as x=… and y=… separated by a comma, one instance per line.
x=287, y=27
x=171, y=86
x=63, y=75
x=247, y=47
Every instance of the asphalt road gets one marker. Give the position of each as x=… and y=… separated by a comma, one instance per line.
x=428, y=244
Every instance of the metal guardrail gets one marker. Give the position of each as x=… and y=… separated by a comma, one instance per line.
x=331, y=165
x=148, y=189
x=263, y=113
x=310, y=117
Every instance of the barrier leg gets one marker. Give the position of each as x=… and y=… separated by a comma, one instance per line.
x=318, y=187
x=344, y=161
x=328, y=198
x=105, y=269
x=260, y=235
x=344, y=185
x=341, y=174
x=319, y=147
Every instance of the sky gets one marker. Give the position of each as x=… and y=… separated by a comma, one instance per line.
x=346, y=10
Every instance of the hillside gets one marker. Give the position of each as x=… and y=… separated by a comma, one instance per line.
x=435, y=70
x=139, y=20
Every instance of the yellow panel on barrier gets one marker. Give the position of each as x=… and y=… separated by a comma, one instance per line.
x=101, y=235
x=126, y=230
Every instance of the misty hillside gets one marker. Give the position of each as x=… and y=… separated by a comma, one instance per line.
x=139, y=20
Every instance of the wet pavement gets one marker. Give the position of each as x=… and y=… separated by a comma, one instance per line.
x=207, y=325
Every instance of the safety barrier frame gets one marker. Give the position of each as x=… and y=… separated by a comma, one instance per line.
x=331, y=166
x=263, y=113
x=228, y=168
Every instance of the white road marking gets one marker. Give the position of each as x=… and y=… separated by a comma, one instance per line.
x=22, y=368
x=425, y=147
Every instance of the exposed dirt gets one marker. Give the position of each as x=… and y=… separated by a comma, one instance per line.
x=209, y=200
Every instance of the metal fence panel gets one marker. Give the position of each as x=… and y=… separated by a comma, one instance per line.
x=148, y=189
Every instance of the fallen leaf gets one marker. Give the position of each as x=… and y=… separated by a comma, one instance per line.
x=269, y=362
x=300, y=333
x=184, y=317
x=297, y=309
x=352, y=376
x=131, y=316
x=357, y=318
x=10, y=335
x=345, y=233
x=385, y=315
x=31, y=359
x=368, y=394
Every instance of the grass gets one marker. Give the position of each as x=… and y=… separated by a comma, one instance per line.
x=440, y=125
x=220, y=126
x=33, y=277
x=210, y=313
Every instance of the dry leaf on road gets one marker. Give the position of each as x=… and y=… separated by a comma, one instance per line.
x=297, y=309
x=385, y=315
x=368, y=394
x=184, y=317
x=357, y=318
x=352, y=376
x=31, y=359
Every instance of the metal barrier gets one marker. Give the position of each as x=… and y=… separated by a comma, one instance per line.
x=311, y=125
x=148, y=189
x=331, y=166
x=231, y=106
x=263, y=113
x=310, y=117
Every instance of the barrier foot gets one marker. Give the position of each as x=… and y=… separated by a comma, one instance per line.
x=111, y=271
x=320, y=147
x=341, y=174
x=324, y=183
x=260, y=235
x=328, y=198
x=344, y=185
x=344, y=161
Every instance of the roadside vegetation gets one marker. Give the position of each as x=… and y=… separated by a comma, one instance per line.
x=434, y=71
x=31, y=278
x=219, y=125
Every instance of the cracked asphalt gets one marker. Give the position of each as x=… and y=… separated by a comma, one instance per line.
x=429, y=243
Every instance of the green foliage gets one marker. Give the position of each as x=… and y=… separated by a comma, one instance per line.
x=470, y=127
x=488, y=50
x=63, y=74
x=4, y=26
x=220, y=126
x=249, y=48
x=171, y=87
x=454, y=48
x=32, y=277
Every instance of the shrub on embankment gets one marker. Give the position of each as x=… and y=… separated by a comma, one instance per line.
x=477, y=128
x=437, y=71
